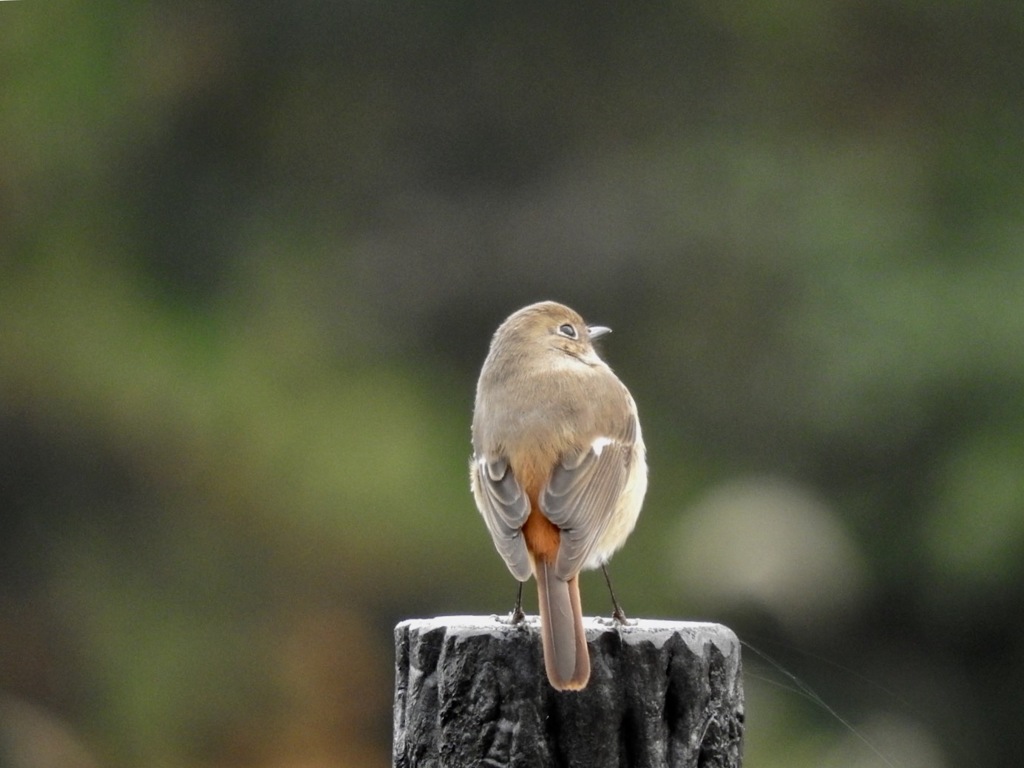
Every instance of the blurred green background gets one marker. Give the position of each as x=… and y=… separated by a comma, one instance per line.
x=251, y=255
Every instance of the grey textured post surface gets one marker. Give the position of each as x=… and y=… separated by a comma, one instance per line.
x=471, y=691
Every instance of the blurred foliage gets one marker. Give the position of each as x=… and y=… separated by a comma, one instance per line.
x=250, y=259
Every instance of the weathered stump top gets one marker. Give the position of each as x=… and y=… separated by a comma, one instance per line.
x=471, y=690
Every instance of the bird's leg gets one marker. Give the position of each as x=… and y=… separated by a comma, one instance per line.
x=517, y=614
x=618, y=614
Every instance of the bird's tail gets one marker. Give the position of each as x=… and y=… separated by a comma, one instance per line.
x=566, y=658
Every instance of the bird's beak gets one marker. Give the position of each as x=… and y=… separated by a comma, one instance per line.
x=597, y=331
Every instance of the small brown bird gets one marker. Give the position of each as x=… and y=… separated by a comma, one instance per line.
x=558, y=469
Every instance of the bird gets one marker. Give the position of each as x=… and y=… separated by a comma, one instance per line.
x=558, y=470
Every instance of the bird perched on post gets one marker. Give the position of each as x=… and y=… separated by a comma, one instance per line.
x=558, y=471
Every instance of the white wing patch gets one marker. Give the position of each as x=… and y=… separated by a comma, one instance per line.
x=599, y=444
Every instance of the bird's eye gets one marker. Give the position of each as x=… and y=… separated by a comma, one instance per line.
x=568, y=330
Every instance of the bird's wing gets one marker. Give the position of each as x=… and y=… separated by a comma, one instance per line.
x=582, y=495
x=505, y=507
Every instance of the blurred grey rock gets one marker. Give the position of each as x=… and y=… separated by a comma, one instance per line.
x=471, y=691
